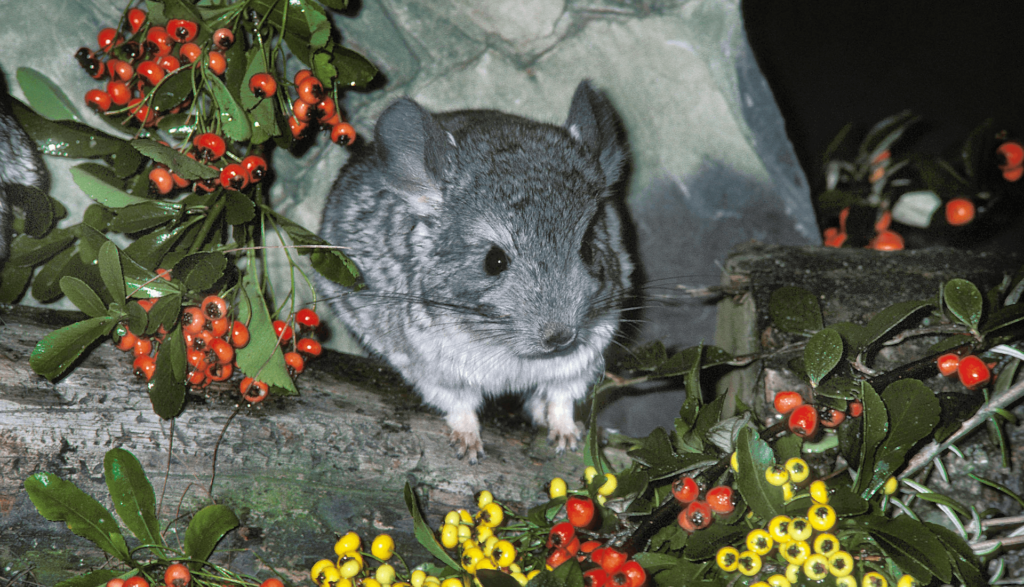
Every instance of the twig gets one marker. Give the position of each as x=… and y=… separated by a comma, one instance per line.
x=216, y=447
x=990, y=544
x=933, y=449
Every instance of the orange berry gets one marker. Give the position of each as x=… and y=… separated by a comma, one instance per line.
x=239, y=334
x=959, y=211
x=214, y=307
x=948, y=364
x=887, y=240
x=294, y=361
x=144, y=367
x=308, y=346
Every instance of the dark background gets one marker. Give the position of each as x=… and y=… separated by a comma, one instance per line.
x=830, y=63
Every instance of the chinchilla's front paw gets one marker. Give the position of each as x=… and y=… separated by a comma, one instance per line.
x=465, y=436
x=564, y=436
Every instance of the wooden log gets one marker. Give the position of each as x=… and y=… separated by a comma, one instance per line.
x=298, y=471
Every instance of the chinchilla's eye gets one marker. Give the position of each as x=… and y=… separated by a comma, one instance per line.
x=586, y=253
x=496, y=261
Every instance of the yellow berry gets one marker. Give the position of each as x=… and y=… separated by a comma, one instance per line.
x=488, y=545
x=347, y=543
x=504, y=553
x=609, y=486
x=484, y=564
x=800, y=529
x=557, y=488
x=907, y=581
x=483, y=533
x=826, y=544
x=778, y=528
x=449, y=536
x=602, y=499
x=452, y=518
x=796, y=552
x=759, y=541
x=749, y=563
x=891, y=485
x=432, y=581
x=350, y=566
x=727, y=558
x=469, y=545
x=532, y=574
x=788, y=490
x=821, y=517
x=793, y=573
x=452, y=582
x=588, y=474
x=820, y=492
x=417, y=578
x=816, y=567
x=385, y=574
x=840, y=563
x=331, y=576
x=318, y=569
x=776, y=475
x=471, y=558
x=492, y=515
x=760, y=584
x=797, y=469
x=734, y=462
x=383, y=547
x=520, y=578
x=874, y=579
x=483, y=498
x=465, y=516
x=465, y=532
x=371, y=582
x=779, y=581
x=847, y=581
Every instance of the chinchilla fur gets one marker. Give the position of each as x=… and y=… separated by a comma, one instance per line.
x=492, y=252
x=20, y=164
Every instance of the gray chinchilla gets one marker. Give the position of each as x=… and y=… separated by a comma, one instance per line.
x=20, y=164
x=492, y=253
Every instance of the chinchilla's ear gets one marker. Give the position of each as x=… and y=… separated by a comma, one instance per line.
x=413, y=149
x=594, y=122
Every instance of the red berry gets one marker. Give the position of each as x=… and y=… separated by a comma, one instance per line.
x=177, y=575
x=239, y=334
x=143, y=347
x=855, y=409
x=887, y=240
x=831, y=418
x=309, y=347
x=217, y=63
x=787, y=401
x=151, y=71
x=1010, y=155
x=254, y=391
x=198, y=378
x=182, y=30
x=595, y=578
x=223, y=38
x=158, y=42
x=556, y=558
x=234, y=177
x=609, y=559
x=256, y=167
x=306, y=112
x=1014, y=174
x=127, y=341
x=223, y=350
x=973, y=372
x=297, y=126
x=210, y=146
x=327, y=108
x=948, y=364
x=131, y=50
x=307, y=317
x=272, y=582
x=959, y=211
x=263, y=85
x=343, y=134
x=119, y=93
x=214, y=307
x=190, y=52
x=136, y=581
x=219, y=327
x=294, y=361
x=834, y=238
x=803, y=421
x=107, y=38
x=283, y=332
x=720, y=499
x=219, y=371
x=98, y=99
x=120, y=71
x=142, y=112
x=144, y=366
x=301, y=75
x=685, y=523
x=168, y=62
x=136, y=18
x=311, y=91
x=685, y=489
x=115, y=582
x=560, y=535
x=580, y=511
x=699, y=514
x=634, y=573
x=588, y=546
x=192, y=320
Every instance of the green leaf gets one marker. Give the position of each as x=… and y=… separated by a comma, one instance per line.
x=823, y=352
x=132, y=495
x=29, y=252
x=145, y=216
x=956, y=408
x=61, y=501
x=875, y=420
x=97, y=217
x=143, y=283
x=13, y=283
x=59, y=349
x=101, y=191
x=335, y=266
x=998, y=487
x=966, y=565
x=946, y=501
x=200, y=271
x=233, y=120
x=353, y=69
x=184, y=166
x=82, y=296
x=656, y=453
x=794, y=309
x=694, y=395
x=889, y=318
x=97, y=578
x=164, y=313
x=913, y=413
x=964, y=301
x=66, y=138
x=754, y=456
x=238, y=208
x=40, y=209
x=703, y=544
x=149, y=250
x=46, y=285
x=173, y=90
x=912, y=546
x=424, y=534
x=206, y=529
x=167, y=387
x=110, y=271
x=45, y=96
x=262, y=358
x=493, y=578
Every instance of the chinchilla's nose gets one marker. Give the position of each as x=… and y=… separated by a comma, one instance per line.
x=557, y=337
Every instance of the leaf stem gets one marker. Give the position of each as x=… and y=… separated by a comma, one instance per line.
x=211, y=217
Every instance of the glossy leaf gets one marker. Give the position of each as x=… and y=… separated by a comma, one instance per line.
x=913, y=412
x=703, y=544
x=66, y=138
x=101, y=191
x=694, y=395
x=110, y=271
x=59, y=349
x=97, y=217
x=143, y=283
x=61, y=501
x=149, y=250
x=45, y=96
x=199, y=272
x=40, y=211
x=82, y=296
x=875, y=420
x=912, y=546
x=145, y=216
x=493, y=578
x=46, y=285
x=965, y=563
x=964, y=301
x=655, y=452
x=754, y=456
x=353, y=69
x=132, y=495
x=238, y=208
x=96, y=578
x=794, y=309
x=823, y=352
x=183, y=165
x=206, y=529
x=167, y=387
x=424, y=534
x=173, y=90
x=261, y=110
x=956, y=408
x=13, y=283
x=234, y=123
x=262, y=358
x=885, y=321
x=29, y=252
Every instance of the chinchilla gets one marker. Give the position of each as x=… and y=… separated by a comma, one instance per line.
x=20, y=165
x=491, y=248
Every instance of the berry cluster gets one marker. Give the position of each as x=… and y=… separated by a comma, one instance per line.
x=480, y=541
x=314, y=107
x=804, y=418
x=885, y=239
x=806, y=543
x=176, y=575
x=697, y=514
x=972, y=371
x=351, y=569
